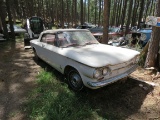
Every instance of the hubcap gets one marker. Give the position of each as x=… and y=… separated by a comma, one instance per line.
x=75, y=80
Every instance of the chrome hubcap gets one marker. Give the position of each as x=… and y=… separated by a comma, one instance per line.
x=75, y=80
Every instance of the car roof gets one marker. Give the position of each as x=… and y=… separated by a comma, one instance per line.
x=64, y=30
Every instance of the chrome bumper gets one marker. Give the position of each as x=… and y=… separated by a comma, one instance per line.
x=111, y=80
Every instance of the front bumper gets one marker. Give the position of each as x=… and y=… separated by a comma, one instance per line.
x=95, y=85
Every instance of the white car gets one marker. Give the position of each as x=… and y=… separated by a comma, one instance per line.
x=2, y=38
x=82, y=59
x=17, y=29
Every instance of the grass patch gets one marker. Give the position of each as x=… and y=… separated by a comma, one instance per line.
x=52, y=100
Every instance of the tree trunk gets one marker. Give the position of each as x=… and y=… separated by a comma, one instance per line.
x=95, y=12
x=119, y=14
x=106, y=21
x=117, y=11
x=68, y=13
x=151, y=6
x=113, y=13
x=154, y=43
x=146, y=10
x=84, y=15
x=75, y=12
x=141, y=13
x=10, y=19
x=129, y=16
x=124, y=13
x=135, y=9
x=88, y=10
x=62, y=14
x=82, y=12
x=99, y=18
x=2, y=16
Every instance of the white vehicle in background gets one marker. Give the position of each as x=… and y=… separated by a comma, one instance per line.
x=82, y=59
x=17, y=29
x=34, y=26
x=2, y=38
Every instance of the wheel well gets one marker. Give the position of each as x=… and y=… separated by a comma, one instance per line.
x=67, y=69
x=34, y=49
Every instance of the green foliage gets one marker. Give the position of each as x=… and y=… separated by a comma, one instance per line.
x=52, y=100
x=142, y=59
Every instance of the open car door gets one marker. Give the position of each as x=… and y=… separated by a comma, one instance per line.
x=34, y=27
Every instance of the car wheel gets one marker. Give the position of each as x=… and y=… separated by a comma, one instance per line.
x=75, y=80
x=35, y=55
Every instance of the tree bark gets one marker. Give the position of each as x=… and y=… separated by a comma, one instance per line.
x=88, y=10
x=129, y=16
x=75, y=12
x=10, y=19
x=119, y=14
x=154, y=44
x=113, y=13
x=2, y=16
x=62, y=14
x=82, y=12
x=95, y=12
x=124, y=13
x=141, y=13
x=134, y=16
x=106, y=21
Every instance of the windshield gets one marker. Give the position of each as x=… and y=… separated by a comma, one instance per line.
x=113, y=30
x=76, y=38
x=36, y=25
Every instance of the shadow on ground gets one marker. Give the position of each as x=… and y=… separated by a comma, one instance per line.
x=115, y=101
x=16, y=79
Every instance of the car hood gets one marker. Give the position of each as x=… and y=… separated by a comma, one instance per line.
x=99, y=55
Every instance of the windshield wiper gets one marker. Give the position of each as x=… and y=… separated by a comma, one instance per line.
x=72, y=44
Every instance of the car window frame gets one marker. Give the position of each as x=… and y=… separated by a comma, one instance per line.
x=57, y=39
x=45, y=39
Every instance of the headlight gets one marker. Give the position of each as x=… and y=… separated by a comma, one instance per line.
x=97, y=73
x=105, y=71
x=143, y=37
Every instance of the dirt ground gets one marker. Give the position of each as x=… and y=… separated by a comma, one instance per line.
x=17, y=75
x=17, y=78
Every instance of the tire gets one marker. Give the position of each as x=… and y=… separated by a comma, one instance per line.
x=35, y=55
x=75, y=80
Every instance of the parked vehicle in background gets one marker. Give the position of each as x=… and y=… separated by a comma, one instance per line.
x=17, y=29
x=141, y=36
x=82, y=59
x=34, y=27
x=115, y=34
x=2, y=38
x=85, y=26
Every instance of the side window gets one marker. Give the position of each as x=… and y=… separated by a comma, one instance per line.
x=62, y=40
x=50, y=39
x=43, y=39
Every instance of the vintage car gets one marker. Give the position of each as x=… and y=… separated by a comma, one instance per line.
x=2, y=37
x=82, y=59
x=17, y=29
x=114, y=33
x=141, y=36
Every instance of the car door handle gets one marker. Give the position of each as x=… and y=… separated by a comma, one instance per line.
x=43, y=45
